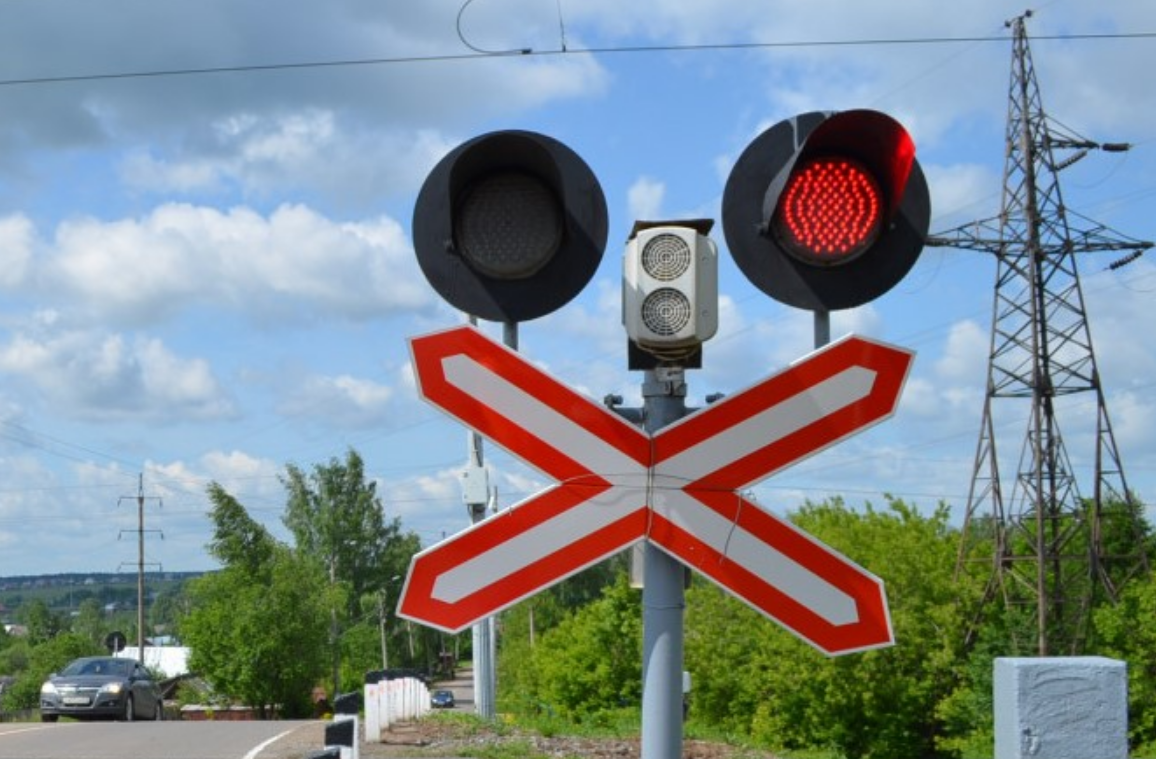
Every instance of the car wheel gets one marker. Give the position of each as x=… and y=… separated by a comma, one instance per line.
x=129, y=711
x=49, y=717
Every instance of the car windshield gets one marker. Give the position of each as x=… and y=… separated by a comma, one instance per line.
x=118, y=667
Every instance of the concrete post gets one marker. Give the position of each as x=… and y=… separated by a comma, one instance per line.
x=1061, y=708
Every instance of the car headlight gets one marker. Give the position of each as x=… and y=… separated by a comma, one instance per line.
x=113, y=688
x=48, y=689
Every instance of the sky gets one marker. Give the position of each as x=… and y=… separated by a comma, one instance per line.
x=206, y=268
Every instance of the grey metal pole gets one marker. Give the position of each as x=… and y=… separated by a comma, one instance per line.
x=484, y=668
x=663, y=597
x=485, y=691
x=822, y=328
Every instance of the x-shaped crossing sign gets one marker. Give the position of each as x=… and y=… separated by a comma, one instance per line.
x=678, y=488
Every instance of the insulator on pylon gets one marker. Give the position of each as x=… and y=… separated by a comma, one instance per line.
x=1060, y=166
x=1122, y=262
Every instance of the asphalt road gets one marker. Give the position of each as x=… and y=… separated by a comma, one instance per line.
x=148, y=740
x=181, y=740
x=462, y=686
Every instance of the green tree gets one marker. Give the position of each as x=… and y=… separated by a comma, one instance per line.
x=258, y=628
x=44, y=659
x=166, y=610
x=89, y=621
x=337, y=519
x=42, y=624
x=14, y=655
x=238, y=539
x=586, y=666
x=336, y=516
x=752, y=676
x=1127, y=632
x=525, y=624
x=262, y=639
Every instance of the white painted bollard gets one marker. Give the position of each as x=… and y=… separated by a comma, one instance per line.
x=373, y=712
x=1061, y=708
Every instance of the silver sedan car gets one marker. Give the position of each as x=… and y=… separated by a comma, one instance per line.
x=101, y=686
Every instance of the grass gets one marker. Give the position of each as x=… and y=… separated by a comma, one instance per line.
x=520, y=735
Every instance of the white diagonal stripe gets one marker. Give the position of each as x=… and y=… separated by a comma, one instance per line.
x=539, y=419
x=771, y=424
x=536, y=543
x=757, y=557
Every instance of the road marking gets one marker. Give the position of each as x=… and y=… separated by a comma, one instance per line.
x=256, y=751
x=29, y=729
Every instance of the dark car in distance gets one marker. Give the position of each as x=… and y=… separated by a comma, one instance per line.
x=442, y=699
x=96, y=687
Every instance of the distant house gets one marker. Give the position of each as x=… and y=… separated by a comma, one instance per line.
x=16, y=631
x=169, y=661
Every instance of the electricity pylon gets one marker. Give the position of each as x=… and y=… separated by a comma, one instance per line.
x=1054, y=549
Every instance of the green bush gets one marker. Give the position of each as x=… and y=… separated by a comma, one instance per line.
x=43, y=660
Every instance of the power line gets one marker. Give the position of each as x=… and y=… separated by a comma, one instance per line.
x=529, y=52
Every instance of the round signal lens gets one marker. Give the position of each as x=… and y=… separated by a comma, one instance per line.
x=511, y=225
x=830, y=212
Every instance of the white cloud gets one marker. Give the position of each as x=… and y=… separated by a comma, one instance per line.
x=964, y=359
x=17, y=237
x=265, y=127
x=960, y=194
x=290, y=266
x=314, y=151
x=341, y=400
x=644, y=199
x=103, y=376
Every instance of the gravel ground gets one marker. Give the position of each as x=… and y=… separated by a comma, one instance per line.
x=441, y=739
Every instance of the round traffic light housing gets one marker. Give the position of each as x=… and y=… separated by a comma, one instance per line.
x=510, y=226
x=827, y=211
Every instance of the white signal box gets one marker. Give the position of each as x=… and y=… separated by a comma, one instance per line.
x=670, y=287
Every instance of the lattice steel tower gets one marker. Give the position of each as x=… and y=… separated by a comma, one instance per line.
x=1052, y=547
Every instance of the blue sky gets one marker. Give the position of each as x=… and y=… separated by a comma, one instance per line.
x=208, y=276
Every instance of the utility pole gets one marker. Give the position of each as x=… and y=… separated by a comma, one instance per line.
x=140, y=564
x=381, y=623
x=1050, y=557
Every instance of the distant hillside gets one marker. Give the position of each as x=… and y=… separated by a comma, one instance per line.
x=67, y=590
x=66, y=579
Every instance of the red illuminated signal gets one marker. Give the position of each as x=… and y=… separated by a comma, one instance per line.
x=826, y=211
x=831, y=211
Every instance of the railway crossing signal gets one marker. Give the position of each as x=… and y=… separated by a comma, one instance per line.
x=510, y=226
x=679, y=488
x=827, y=211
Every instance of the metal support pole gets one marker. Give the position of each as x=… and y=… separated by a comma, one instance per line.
x=663, y=598
x=485, y=691
x=381, y=624
x=822, y=328
x=482, y=644
x=484, y=668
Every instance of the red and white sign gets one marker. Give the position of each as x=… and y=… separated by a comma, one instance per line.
x=618, y=485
